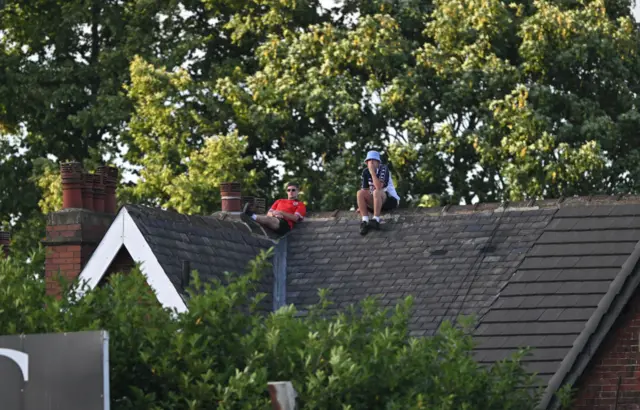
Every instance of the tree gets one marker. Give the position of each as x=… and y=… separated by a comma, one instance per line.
x=468, y=100
x=223, y=351
x=64, y=66
x=182, y=158
x=490, y=101
x=315, y=98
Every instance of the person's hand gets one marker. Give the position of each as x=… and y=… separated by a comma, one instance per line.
x=371, y=167
x=278, y=214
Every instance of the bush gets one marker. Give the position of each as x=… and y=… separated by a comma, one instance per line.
x=222, y=352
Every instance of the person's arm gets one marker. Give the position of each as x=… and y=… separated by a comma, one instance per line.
x=385, y=174
x=376, y=181
x=280, y=214
x=365, y=178
x=272, y=211
x=287, y=216
x=301, y=211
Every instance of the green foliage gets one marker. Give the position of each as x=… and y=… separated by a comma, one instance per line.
x=223, y=351
x=488, y=100
x=468, y=99
x=565, y=396
x=47, y=178
x=183, y=159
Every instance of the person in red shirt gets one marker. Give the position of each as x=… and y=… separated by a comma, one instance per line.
x=283, y=214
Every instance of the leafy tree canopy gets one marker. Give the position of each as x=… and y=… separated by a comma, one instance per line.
x=468, y=99
x=218, y=356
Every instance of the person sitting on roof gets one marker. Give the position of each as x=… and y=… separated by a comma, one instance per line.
x=377, y=193
x=282, y=215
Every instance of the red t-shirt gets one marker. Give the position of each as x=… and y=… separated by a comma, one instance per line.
x=292, y=206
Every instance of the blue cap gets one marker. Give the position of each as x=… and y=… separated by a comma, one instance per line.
x=373, y=155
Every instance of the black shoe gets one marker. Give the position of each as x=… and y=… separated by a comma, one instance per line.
x=246, y=210
x=247, y=214
x=374, y=224
x=364, y=228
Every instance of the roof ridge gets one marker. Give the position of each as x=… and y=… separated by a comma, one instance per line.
x=221, y=218
x=492, y=207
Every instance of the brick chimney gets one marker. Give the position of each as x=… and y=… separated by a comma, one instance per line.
x=5, y=239
x=74, y=232
x=256, y=204
x=231, y=193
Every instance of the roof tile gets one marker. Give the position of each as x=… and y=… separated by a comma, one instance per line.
x=210, y=245
x=559, y=284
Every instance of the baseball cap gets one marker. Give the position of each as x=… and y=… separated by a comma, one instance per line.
x=373, y=155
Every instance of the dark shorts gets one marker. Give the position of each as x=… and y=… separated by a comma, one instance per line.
x=283, y=228
x=389, y=204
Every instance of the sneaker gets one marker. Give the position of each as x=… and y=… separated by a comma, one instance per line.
x=364, y=228
x=374, y=224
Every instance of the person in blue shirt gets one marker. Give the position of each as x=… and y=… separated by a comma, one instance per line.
x=377, y=193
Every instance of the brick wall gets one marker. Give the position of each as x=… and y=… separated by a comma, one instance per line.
x=72, y=237
x=122, y=263
x=612, y=379
x=66, y=260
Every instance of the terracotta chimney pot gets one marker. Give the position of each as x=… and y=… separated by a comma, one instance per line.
x=231, y=193
x=260, y=206
x=87, y=191
x=98, y=193
x=72, y=181
x=110, y=180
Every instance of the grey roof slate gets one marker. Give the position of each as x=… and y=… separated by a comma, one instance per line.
x=559, y=285
x=533, y=276
x=212, y=245
x=451, y=264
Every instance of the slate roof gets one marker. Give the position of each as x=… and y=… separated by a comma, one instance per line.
x=211, y=244
x=533, y=275
x=559, y=285
x=548, y=274
x=451, y=264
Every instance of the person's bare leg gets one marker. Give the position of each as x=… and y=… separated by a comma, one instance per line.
x=379, y=197
x=364, y=200
x=268, y=221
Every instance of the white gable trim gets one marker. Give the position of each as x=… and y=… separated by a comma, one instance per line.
x=124, y=231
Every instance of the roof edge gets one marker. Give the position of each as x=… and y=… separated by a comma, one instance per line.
x=491, y=207
x=124, y=231
x=596, y=328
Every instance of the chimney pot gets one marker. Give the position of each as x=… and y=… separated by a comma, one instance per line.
x=5, y=240
x=87, y=191
x=231, y=193
x=260, y=206
x=72, y=181
x=110, y=180
x=257, y=204
x=98, y=193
